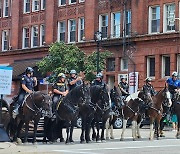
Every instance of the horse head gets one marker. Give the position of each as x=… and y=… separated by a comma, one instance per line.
x=43, y=103
x=167, y=97
x=145, y=96
x=104, y=96
x=115, y=96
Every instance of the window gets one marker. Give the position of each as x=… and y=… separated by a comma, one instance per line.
x=124, y=64
x=6, y=8
x=42, y=35
x=104, y=25
x=72, y=31
x=62, y=2
x=178, y=64
x=26, y=37
x=5, y=40
x=169, y=17
x=72, y=1
x=128, y=22
x=35, y=5
x=115, y=29
x=0, y=8
x=165, y=66
x=150, y=66
x=43, y=4
x=154, y=19
x=111, y=64
x=81, y=1
x=34, y=36
x=81, y=29
x=26, y=6
x=61, y=31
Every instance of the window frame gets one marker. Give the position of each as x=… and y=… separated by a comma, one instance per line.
x=148, y=67
x=59, y=3
x=165, y=18
x=3, y=36
x=80, y=29
x=32, y=36
x=42, y=34
x=69, y=31
x=25, y=3
x=111, y=62
x=33, y=5
x=101, y=25
x=59, y=31
x=178, y=64
x=128, y=22
x=151, y=19
x=24, y=34
x=4, y=8
x=81, y=1
x=122, y=60
x=1, y=9
x=163, y=66
x=70, y=2
x=113, y=25
x=43, y=4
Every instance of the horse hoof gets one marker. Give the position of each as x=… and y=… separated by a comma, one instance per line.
x=44, y=142
x=82, y=142
x=93, y=139
x=71, y=142
x=112, y=138
x=107, y=138
x=121, y=139
x=98, y=141
x=19, y=141
x=35, y=143
x=51, y=142
x=161, y=135
x=25, y=143
x=134, y=139
x=103, y=141
x=61, y=139
x=88, y=141
x=150, y=139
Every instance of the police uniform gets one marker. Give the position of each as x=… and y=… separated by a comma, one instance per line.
x=172, y=85
x=79, y=82
x=124, y=86
x=150, y=89
x=29, y=83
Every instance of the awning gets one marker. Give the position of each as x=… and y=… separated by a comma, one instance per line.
x=19, y=67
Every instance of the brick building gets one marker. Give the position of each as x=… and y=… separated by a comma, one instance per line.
x=143, y=35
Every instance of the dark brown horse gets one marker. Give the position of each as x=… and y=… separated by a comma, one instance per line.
x=132, y=111
x=155, y=109
x=34, y=107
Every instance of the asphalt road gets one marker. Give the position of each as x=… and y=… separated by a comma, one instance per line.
x=166, y=145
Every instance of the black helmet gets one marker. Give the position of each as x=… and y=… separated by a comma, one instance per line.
x=148, y=80
x=29, y=70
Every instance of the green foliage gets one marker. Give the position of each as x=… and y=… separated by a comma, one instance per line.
x=63, y=58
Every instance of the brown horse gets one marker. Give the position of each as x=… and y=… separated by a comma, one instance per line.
x=155, y=109
x=34, y=107
x=132, y=111
x=177, y=112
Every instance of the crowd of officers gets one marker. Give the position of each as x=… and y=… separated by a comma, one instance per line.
x=61, y=87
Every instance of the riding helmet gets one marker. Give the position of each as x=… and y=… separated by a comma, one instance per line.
x=73, y=72
x=61, y=75
x=29, y=70
x=99, y=75
x=174, y=74
x=148, y=79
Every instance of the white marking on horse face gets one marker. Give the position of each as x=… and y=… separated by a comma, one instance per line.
x=168, y=95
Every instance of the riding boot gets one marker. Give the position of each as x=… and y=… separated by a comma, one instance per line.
x=15, y=111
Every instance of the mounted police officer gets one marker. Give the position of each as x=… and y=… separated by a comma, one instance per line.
x=98, y=80
x=28, y=82
x=74, y=80
x=173, y=85
x=149, y=87
x=59, y=89
x=124, y=87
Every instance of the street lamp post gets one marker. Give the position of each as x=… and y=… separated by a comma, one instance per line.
x=98, y=39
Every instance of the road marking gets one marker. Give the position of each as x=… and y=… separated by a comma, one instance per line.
x=119, y=148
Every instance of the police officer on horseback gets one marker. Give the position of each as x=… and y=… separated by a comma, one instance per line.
x=124, y=87
x=59, y=89
x=173, y=84
x=149, y=87
x=74, y=80
x=99, y=80
x=28, y=82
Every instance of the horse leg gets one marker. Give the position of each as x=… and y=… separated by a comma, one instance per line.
x=107, y=128
x=98, y=128
x=46, y=119
x=88, y=127
x=18, y=132
x=71, y=133
x=26, y=131
x=111, y=126
x=151, y=129
x=134, y=126
x=93, y=129
x=83, y=129
x=139, y=120
x=35, y=131
x=178, y=129
x=67, y=132
x=123, y=130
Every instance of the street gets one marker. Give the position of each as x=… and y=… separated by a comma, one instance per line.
x=166, y=145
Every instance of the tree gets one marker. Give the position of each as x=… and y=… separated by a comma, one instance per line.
x=63, y=58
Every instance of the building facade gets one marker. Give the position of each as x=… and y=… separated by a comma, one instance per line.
x=143, y=35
